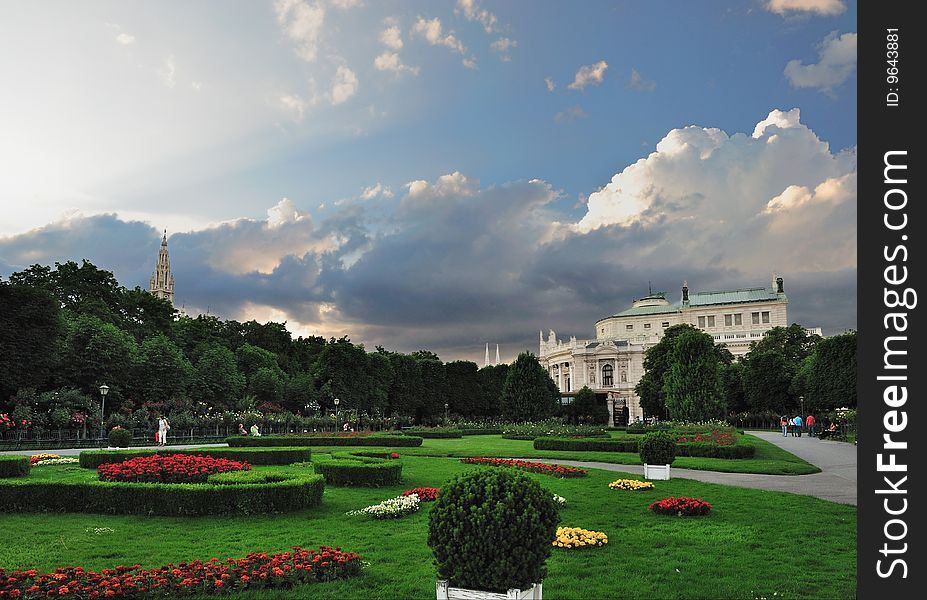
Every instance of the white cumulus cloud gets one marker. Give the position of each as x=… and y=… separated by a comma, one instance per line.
x=639, y=84
x=551, y=85
x=344, y=85
x=391, y=37
x=472, y=12
x=589, y=74
x=502, y=46
x=376, y=190
x=293, y=105
x=168, y=71
x=836, y=62
x=125, y=39
x=819, y=7
x=390, y=61
x=302, y=22
x=432, y=32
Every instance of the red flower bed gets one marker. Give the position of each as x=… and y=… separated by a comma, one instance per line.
x=721, y=438
x=256, y=571
x=424, y=494
x=169, y=468
x=394, y=455
x=681, y=506
x=534, y=467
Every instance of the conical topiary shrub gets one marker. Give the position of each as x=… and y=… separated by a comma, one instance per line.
x=491, y=530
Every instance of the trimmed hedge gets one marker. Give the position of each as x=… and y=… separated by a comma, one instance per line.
x=435, y=434
x=527, y=437
x=13, y=465
x=482, y=431
x=254, y=456
x=695, y=449
x=318, y=440
x=297, y=492
x=351, y=469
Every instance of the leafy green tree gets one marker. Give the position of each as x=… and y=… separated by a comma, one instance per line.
x=832, y=383
x=586, y=408
x=380, y=373
x=97, y=353
x=301, y=394
x=341, y=372
x=491, y=380
x=732, y=381
x=144, y=315
x=656, y=364
x=271, y=336
x=792, y=342
x=434, y=389
x=251, y=358
x=767, y=379
x=692, y=386
x=405, y=392
x=162, y=372
x=195, y=335
x=266, y=385
x=529, y=394
x=425, y=355
x=81, y=289
x=463, y=388
x=30, y=329
x=217, y=380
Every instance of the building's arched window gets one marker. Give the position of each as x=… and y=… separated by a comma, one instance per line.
x=608, y=376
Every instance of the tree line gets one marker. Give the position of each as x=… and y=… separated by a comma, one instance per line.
x=688, y=377
x=66, y=330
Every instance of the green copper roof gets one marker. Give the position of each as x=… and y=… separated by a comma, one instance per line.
x=701, y=299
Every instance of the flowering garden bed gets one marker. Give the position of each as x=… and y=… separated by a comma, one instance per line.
x=630, y=485
x=254, y=456
x=256, y=571
x=576, y=537
x=393, y=508
x=425, y=494
x=681, y=506
x=169, y=468
x=524, y=465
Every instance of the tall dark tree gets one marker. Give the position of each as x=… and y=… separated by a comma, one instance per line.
x=491, y=380
x=30, y=329
x=692, y=386
x=656, y=364
x=405, y=392
x=732, y=381
x=434, y=389
x=95, y=353
x=463, y=388
x=529, y=394
x=380, y=373
x=162, y=372
x=341, y=372
x=586, y=408
x=832, y=383
x=771, y=366
x=144, y=315
x=81, y=289
x=217, y=380
x=195, y=335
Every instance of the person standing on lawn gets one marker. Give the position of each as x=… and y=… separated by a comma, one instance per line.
x=810, y=421
x=163, y=426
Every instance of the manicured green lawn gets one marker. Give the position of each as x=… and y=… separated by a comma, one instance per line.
x=769, y=458
x=754, y=544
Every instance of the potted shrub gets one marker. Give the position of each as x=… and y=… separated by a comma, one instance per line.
x=658, y=451
x=491, y=532
x=119, y=437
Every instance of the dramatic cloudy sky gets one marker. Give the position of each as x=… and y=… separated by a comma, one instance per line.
x=425, y=174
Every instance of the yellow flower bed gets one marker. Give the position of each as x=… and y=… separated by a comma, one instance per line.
x=40, y=457
x=630, y=485
x=575, y=537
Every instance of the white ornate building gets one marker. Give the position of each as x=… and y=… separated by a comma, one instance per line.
x=162, y=281
x=613, y=362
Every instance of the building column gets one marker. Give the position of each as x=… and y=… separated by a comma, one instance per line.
x=598, y=372
x=570, y=380
x=560, y=377
x=585, y=372
x=611, y=411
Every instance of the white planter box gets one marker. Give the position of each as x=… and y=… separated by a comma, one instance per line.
x=656, y=472
x=445, y=592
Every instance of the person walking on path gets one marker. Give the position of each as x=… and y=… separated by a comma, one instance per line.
x=163, y=426
x=810, y=421
x=784, y=424
x=797, y=422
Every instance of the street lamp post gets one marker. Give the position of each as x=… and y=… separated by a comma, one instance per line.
x=103, y=390
x=337, y=401
x=446, y=406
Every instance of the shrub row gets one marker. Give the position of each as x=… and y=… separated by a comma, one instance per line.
x=317, y=440
x=481, y=431
x=519, y=436
x=254, y=456
x=435, y=433
x=12, y=465
x=298, y=492
x=695, y=449
x=345, y=468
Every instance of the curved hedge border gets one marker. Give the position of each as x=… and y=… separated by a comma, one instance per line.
x=436, y=434
x=347, y=468
x=13, y=465
x=260, y=496
x=254, y=456
x=317, y=440
x=482, y=431
x=695, y=449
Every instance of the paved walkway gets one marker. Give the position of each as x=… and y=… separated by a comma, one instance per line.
x=77, y=451
x=836, y=481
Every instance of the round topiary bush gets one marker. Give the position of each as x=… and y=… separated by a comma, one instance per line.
x=119, y=437
x=657, y=448
x=491, y=530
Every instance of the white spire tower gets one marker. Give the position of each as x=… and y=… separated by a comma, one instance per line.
x=498, y=362
x=162, y=281
x=486, y=360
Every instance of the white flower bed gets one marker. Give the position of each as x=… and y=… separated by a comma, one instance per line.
x=392, y=508
x=56, y=461
x=560, y=500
